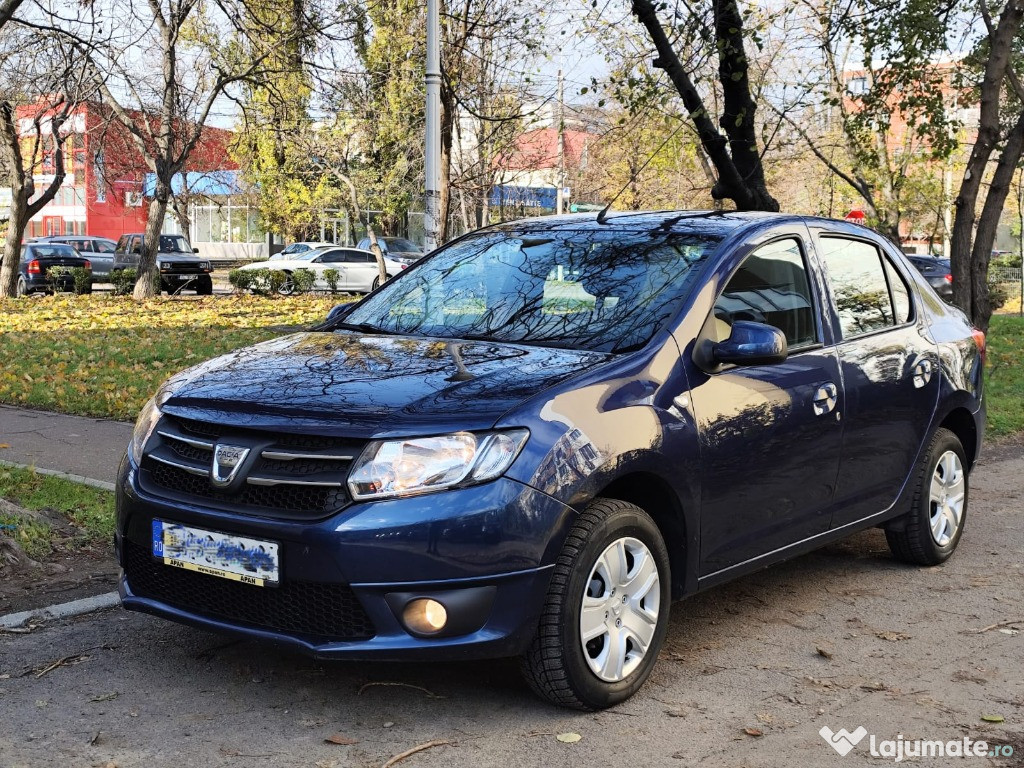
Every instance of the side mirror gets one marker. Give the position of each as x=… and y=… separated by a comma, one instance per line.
x=751, y=344
x=336, y=315
x=195, y=250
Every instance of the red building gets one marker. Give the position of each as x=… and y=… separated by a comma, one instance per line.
x=103, y=191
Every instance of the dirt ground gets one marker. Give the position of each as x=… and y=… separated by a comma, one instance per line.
x=74, y=569
x=753, y=670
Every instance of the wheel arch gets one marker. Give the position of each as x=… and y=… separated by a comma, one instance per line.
x=960, y=421
x=658, y=499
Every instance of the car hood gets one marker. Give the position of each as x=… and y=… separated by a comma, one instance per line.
x=366, y=384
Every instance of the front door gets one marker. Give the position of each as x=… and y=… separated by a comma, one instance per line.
x=890, y=374
x=770, y=435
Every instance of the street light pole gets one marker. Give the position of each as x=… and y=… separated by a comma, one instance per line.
x=432, y=165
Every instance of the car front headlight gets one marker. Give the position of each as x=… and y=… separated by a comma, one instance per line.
x=390, y=468
x=160, y=265
x=146, y=423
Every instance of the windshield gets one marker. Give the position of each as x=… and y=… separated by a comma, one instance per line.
x=401, y=244
x=53, y=250
x=174, y=244
x=596, y=290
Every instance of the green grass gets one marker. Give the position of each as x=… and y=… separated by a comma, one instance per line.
x=89, y=510
x=1004, y=383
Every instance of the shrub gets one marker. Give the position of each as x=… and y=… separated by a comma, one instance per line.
x=241, y=280
x=123, y=281
x=332, y=276
x=998, y=295
x=303, y=280
x=83, y=280
x=275, y=280
x=54, y=275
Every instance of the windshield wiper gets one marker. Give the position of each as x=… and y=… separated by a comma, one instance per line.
x=364, y=327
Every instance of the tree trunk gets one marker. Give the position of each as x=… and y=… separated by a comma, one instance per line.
x=382, y=273
x=444, y=202
x=12, y=243
x=988, y=224
x=736, y=157
x=1000, y=51
x=146, y=286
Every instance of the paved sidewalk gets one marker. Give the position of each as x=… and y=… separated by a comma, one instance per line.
x=73, y=444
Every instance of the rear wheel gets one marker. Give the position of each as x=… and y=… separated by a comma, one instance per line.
x=22, y=287
x=376, y=283
x=606, y=611
x=933, y=527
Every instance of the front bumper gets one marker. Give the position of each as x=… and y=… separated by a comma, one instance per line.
x=496, y=542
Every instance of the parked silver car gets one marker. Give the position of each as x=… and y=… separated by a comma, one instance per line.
x=98, y=250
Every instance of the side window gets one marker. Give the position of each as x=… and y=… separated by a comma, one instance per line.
x=122, y=244
x=861, y=280
x=771, y=286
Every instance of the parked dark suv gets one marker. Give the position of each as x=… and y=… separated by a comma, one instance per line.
x=180, y=267
x=533, y=440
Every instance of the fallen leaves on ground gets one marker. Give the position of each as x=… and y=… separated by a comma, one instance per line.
x=341, y=739
x=568, y=738
x=104, y=355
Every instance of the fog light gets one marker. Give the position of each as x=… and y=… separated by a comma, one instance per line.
x=425, y=616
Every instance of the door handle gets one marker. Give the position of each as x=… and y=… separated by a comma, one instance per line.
x=825, y=399
x=922, y=373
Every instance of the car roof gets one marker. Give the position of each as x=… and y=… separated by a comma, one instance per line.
x=712, y=223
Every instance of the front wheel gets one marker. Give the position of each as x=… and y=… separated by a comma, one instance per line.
x=931, y=530
x=204, y=286
x=606, y=612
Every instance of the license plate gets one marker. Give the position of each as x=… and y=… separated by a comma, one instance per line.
x=239, y=558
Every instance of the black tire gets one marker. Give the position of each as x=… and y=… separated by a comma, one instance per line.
x=205, y=286
x=911, y=539
x=22, y=287
x=376, y=283
x=555, y=666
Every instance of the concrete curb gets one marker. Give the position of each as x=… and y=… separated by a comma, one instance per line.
x=101, y=484
x=61, y=611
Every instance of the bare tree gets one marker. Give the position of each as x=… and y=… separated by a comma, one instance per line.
x=40, y=131
x=162, y=76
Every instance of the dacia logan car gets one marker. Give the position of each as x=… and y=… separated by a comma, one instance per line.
x=534, y=440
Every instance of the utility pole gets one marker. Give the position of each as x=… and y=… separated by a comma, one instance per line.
x=559, y=197
x=432, y=166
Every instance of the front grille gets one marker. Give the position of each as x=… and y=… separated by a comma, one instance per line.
x=311, y=610
x=290, y=498
x=310, y=485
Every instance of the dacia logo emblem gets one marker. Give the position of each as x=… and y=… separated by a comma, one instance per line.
x=227, y=460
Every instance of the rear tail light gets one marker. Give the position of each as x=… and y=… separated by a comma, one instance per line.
x=979, y=342
x=948, y=278
x=34, y=268
x=88, y=264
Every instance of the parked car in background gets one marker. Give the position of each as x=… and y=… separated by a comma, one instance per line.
x=290, y=251
x=937, y=272
x=99, y=251
x=37, y=259
x=532, y=442
x=397, y=248
x=357, y=270
x=180, y=267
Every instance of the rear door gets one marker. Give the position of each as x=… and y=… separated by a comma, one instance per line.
x=101, y=254
x=890, y=372
x=770, y=435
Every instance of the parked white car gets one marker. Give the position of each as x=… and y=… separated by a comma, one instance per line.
x=357, y=269
x=293, y=250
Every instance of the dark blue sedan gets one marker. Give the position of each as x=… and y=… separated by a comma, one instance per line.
x=535, y=439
